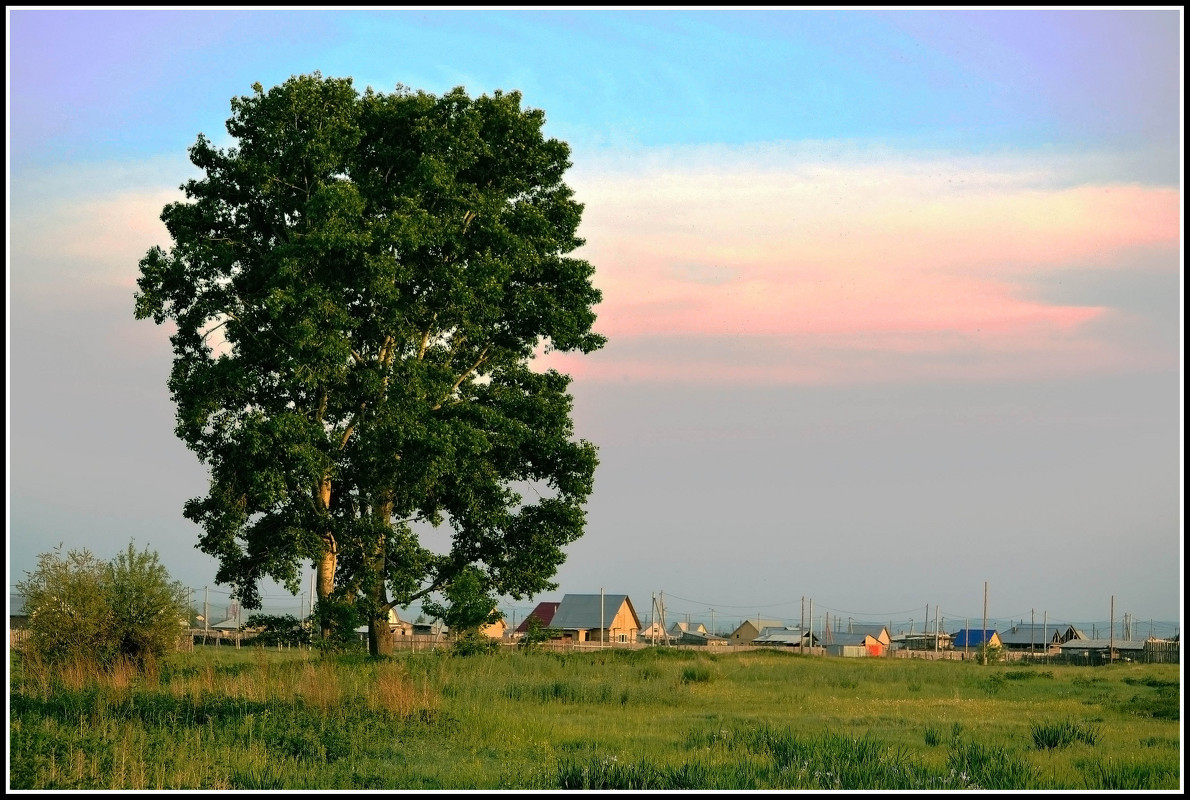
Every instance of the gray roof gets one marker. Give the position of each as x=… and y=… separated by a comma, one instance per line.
x=786, y=636
x=1036, y=634
x=761, y=624
x=581, y=611
x=688, y=626
x=1103, y=644
x=871, y=630
x=848, y=639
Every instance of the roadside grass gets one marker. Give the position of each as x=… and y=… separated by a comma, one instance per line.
x=648, y=719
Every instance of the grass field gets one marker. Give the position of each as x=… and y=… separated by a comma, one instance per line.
x=647, y=719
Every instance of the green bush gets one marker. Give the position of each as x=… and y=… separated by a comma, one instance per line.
x=82, y=609
x=146, y=604
x=474, y=643
x=278, y=630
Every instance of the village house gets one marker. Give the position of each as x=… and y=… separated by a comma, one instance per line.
x=749, y=629
x=974, y=637
x=584, y=618
x=543, y=613
x=877, y=631
x=1041, y=637
x=855, y=645
x=655, y=633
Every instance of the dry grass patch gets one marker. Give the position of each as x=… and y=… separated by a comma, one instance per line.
x=319, y=686
x=394, y=691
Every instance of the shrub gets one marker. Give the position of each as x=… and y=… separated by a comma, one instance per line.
x=339, y=619
x=146, y=604
x=471, y=643
x=84, y=610
x=536, y=634
x=278, y=630
x=65, y=600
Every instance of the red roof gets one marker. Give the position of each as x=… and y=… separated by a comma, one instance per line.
x=544, y=612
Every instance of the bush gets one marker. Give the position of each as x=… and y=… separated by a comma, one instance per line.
x=472, y=643
x=82, y=609
x=278, y=630
x=146, y=604
x=536, y=634
x=65, y=600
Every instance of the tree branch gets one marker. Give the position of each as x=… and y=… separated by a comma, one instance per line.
x=463, y=377
x=425, y=339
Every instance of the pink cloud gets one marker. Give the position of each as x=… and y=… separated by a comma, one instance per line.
x=884, y=258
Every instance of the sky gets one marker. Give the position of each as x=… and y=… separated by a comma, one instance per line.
x=892, y=298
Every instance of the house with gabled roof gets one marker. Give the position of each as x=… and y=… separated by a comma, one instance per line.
x=749, y=629
x=655, y=633
x=877, y=631
x=1028, y=636
x=543, y=613
x=597, y=618
x=975, y=637
x=854, y=645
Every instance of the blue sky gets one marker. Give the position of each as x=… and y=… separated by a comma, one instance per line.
x=891, y=296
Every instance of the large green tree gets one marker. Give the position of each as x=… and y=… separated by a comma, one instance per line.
x=359, y=286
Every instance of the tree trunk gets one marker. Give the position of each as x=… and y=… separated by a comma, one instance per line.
x=329, y=559
x=380, y=636
x=326, y=584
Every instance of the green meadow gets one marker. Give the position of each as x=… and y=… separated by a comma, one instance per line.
x=646, y=719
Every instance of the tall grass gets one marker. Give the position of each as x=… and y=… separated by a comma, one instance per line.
x=655, y=719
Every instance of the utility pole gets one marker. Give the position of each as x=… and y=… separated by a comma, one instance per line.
x=1111, y=636
x=936, y=628
x=206, y=611
x=712, y=622
x=802, y=624
x=967, y=637
x=811, y=624
x=661, y=611
x=983, y=634
x=602, y=631
x=1045, y=633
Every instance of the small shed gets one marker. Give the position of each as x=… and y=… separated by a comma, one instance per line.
x=1096, y=650
x=701, y=639
x=785, y=637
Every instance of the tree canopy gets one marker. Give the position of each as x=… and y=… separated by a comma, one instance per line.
x=359, y=286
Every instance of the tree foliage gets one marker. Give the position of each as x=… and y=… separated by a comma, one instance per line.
x=81, y=608
x=467, y=605
x=359, y=285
